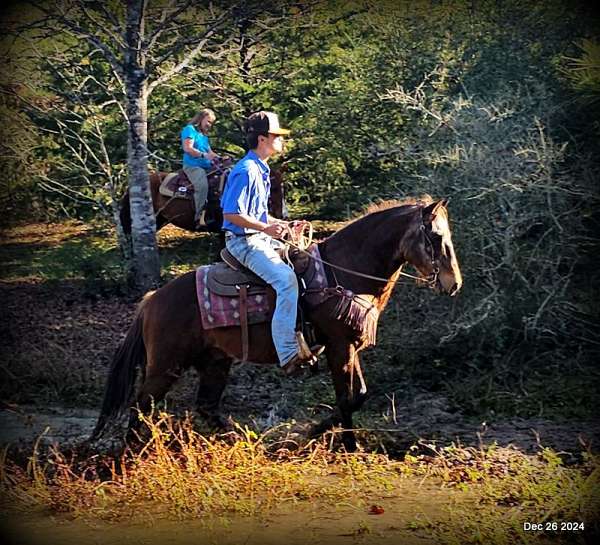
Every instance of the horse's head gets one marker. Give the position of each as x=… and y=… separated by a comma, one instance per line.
x=277, y=205
x=431, y=250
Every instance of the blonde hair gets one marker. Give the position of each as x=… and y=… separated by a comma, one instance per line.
x=197, y=119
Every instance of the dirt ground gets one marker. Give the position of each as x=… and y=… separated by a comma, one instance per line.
x=58, y=344
x=410, y=503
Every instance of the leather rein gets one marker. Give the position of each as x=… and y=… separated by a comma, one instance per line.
x=431, y=279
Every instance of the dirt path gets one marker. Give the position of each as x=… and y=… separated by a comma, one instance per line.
x=425, y=421
x=407, y=507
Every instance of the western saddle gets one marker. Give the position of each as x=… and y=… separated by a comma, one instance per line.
x=232, y=279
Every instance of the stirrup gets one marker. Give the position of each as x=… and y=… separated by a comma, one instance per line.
x=305, y=352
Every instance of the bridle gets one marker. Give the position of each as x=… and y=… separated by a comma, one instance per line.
x=433, y=277
x=302, y=244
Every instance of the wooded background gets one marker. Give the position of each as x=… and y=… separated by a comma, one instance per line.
x=494, y=104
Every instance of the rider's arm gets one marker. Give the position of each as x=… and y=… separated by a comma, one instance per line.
x=188, y=147
x=247, y=222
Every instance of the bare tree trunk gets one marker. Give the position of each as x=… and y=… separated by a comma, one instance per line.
x=145, y=262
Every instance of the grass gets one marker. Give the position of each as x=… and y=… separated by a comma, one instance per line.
x=76, y=251
x=192, y=475
x=491, y=492
x=514, y=489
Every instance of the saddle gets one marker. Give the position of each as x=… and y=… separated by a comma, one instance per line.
x=177, y=185
x=229, y=294
x=226, y=281
x=226, y=277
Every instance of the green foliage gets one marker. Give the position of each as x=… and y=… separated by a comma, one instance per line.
x=468, y=100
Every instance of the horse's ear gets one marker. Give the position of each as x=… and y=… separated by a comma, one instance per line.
x=430, y=211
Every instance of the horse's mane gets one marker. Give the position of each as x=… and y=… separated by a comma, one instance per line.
x=373, y=208
x=372, y=211
x=423, y=200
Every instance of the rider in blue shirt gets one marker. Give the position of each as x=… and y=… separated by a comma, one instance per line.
x=250, y=233
x=197, y=158
x=247, y=192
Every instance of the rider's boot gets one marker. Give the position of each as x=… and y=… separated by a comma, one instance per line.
x=305, y=354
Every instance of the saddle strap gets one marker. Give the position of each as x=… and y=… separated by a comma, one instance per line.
x=244, y=320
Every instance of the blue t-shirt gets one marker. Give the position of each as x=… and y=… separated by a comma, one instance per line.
x=247, y=192
x=201, y=143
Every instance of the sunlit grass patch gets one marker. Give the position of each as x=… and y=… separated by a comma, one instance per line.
x=72, y=250
x=192, y=475
x=69, y=250
x=513, y=490
x=491, y=491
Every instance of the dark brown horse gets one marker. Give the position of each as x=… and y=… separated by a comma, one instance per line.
x=180, y=212
x=367, y=255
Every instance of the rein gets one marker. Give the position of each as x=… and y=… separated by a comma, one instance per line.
x=350, y=271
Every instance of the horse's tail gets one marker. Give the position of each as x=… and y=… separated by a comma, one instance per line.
x=125, y=214
x=122, y=374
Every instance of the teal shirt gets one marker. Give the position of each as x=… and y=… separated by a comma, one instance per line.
x=201, y=143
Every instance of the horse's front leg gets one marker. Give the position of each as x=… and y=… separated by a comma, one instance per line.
x=350, y=390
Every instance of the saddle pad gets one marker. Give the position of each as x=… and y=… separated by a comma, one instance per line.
x=176, y=184
x=314, y=279
x=221, y=311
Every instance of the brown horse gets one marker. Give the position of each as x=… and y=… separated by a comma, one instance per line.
x=366, y=256
x=180, y=212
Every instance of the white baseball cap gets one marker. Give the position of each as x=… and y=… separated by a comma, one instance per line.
x=265, y=122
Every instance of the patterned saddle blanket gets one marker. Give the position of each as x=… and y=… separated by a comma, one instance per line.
x=218, y=287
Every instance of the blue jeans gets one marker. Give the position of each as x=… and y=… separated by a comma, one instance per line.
x=257, y=252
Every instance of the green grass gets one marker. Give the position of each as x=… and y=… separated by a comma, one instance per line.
x=91, y=253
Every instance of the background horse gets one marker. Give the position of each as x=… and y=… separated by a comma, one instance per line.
x=167, y=335
x=180, y=212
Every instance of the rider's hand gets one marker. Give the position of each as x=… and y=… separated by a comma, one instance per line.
x=274, y=230
x=211, y=155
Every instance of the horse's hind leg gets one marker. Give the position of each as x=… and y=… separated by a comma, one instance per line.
x=154, y=387
x=213, y=376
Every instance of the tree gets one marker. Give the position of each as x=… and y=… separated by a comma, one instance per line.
x=113, y=55
x=104, y=61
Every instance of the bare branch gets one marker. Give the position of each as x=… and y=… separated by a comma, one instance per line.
x=76, y=30
x=181, y=43
x=116, y=36
x=164, y=23
x=185, y=63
